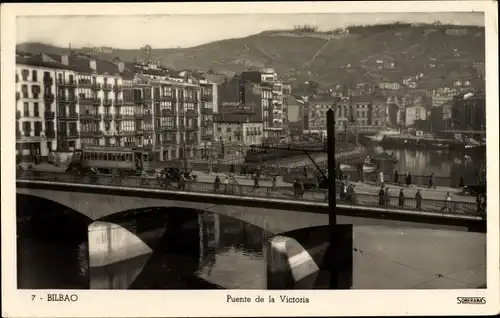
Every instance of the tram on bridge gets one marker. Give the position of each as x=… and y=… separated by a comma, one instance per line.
x=126, y=161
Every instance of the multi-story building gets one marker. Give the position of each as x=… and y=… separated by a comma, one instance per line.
x=414, y=113
x=36, y=129
x=379, y=113
x=469, y=112
x=112, y=104
x=237, y=130
x=99, y=96
x=272, y=100
x=361, y=108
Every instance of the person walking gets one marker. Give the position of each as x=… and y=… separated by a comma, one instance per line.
x=387, y=198
x=408, y=179
x=396, y=177
x=301, y=189
x=461, y=184
x=273, y=185
x=381, y=195
x=401, y=201
x=256, y=181
x=447, y=202
x=418, y=199
x=432, y=181
x=380, y=179
x=342, y=190
x=216, y=184
x=226, y=185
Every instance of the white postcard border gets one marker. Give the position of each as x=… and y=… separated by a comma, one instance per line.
x=94, y=303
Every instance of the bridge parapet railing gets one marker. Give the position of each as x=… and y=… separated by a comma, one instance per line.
x=315, y=195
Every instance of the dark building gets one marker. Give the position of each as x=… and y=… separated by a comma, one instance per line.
x=469, y=112
x=239, y=96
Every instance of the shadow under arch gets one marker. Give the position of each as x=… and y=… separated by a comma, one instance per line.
x=52, y=245
x=174, y=236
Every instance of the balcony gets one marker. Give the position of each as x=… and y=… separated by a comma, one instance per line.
x=87, y=133
x=72, y=116
x=72, y=134
x=118, y=117
x=190, y=99
x=117, y=88
x=169, y=128
x=207, y=123
x=191, y=113
x=118, y=101
x=191, y=141
x=48, y=81
x=167, y=112
x=128, y=116
x=49, y=115
x=139, y=115
x=107, y=102
x=106, y=87
x=66, y=83
x=93, y=86
x=207, y=111
x=207, y=136
x=108, y=117
x=48, y=97
x=207, y=98
x=50, y=134
x=18, y=114
x=169, y=142
x=167, y=97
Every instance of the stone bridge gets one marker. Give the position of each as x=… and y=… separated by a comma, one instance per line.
x=97, y=201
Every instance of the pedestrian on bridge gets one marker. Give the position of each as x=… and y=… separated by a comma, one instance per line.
x=408, y=179
x=418, y=199
x=396, y=177
x=401, y=199
x=343, y=191
x=447, y=203
x=226, y=185
x=381, y=196
x=380, y=180
x=432, y=181
x=387, y=198
x=216, y=184
x=273, y=186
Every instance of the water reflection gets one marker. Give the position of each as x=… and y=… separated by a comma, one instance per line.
x=443, y=163
x=190, y=250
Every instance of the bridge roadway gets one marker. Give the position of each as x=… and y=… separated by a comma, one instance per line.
x=274, y=214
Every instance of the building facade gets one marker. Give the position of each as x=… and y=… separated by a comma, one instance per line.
x=36, y=119
x=72, y=101
x=469, y=112
x=414, y=113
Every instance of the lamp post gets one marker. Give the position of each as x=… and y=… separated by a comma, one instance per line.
x=332, y=204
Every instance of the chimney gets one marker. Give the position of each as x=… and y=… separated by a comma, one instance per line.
x=65, y=59
x=93, y=65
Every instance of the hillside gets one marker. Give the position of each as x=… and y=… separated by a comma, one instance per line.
x=321, y=56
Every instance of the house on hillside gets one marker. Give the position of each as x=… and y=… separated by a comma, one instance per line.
x=389, y=85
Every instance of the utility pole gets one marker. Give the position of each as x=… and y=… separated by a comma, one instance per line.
x=332, y=202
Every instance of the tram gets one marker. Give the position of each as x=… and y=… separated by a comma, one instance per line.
x=125, y=161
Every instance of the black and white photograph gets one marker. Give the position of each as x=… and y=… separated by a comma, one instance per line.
x=251, y=151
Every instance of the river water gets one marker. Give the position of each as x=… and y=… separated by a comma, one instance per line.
x=190, y=250
x=443, y=163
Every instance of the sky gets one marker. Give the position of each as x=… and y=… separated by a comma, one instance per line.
x=170, y=31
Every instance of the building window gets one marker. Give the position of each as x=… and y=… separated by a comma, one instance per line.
x=36, y=110
x=27, y=128
x=24, y=89
x=34, y=76
x=26, y=109
x=25, y=73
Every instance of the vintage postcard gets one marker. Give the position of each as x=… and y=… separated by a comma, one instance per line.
x=250, y=159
